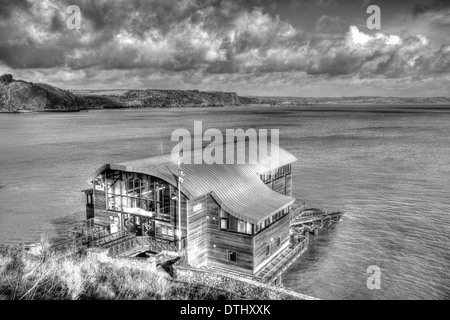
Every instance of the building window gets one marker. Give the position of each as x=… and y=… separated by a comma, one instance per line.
x=267, y=250
x=223, y=223
x=266, y=177
x=163, y=230
x=278, y=241
x=241, y=226
x=232, y=256
x=230, y=223
x=249, y=229
x=288, y=169
x=89, y=199
x=223, y=220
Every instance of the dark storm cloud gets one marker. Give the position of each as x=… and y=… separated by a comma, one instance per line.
x=8, y=6
x=434, y=5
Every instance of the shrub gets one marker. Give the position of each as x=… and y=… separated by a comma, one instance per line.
x=6, y=78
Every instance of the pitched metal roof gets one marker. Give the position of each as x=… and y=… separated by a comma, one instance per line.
x=237, y=188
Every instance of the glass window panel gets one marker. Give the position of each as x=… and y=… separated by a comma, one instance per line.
x=158, y=230
x=249, y=228
x=129, y=224
x=232, y=256
x=144, y=205
x=232, y=223
x=123, y=187
x=116, y=183
x=166, y=192
x=130, y=189
x=224, y=224
x=151, y=206
x=241, y=226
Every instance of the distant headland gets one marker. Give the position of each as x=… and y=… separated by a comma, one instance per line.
x=22, y=96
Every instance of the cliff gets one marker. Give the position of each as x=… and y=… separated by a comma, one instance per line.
x=158, y=98
x=22, y=96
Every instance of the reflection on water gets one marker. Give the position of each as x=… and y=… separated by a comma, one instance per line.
x=388, y=168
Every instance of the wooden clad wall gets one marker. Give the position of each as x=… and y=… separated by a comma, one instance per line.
x=197, y=234
x=289, y=184
x=282, y=185
x=99, y=199
x=89, y=211
x=279, y=185
x=219, y=242
x=208, y=245
x=261, y=240
x=103, y=215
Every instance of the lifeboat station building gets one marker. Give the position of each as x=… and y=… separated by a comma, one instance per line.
x=233, y=217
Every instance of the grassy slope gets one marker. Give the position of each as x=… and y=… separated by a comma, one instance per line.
x=59, y=277
x=20, y=95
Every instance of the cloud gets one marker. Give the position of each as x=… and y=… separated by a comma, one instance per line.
x=328, y=24
x=188, y=41
x=7, y=7
x=433, y=6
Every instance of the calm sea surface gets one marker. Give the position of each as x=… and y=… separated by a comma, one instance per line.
x=387, y=167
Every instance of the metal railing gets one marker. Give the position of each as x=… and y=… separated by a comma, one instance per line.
x=69, y=245
x=86, y=235
x=109, y=238
x=121, y=246
x=158, y=245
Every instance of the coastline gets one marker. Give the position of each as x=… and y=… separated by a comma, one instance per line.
x=431, y=106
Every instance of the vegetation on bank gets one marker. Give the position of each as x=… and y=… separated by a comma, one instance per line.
x=57, y=276
x=23, y=96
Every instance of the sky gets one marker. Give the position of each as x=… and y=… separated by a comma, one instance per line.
x=309, y=48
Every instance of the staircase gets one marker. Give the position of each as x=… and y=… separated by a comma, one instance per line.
x=158, y=245
x=283, y=261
